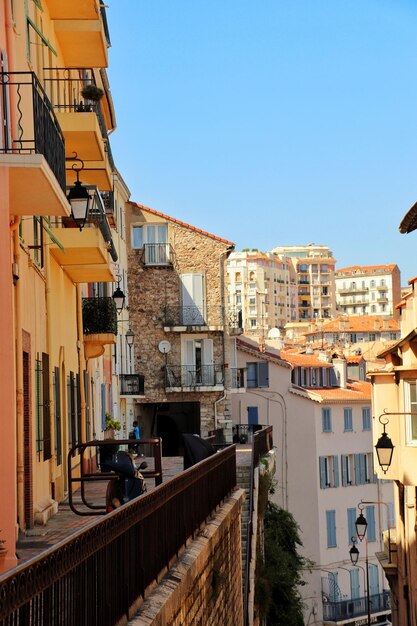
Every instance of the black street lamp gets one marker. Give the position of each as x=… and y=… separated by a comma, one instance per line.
x=78, y=195
x=361, y=524
x=354, y=557
x=118, y=296
x=362, y=502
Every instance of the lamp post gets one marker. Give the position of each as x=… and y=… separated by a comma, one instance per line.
x=78, y=195
x=118, y=296
x=354, y=556
x=388, y=520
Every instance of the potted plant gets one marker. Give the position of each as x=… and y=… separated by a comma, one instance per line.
x=111, y=426
x=92, y=92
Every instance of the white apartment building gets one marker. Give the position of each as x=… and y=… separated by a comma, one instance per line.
x=368, y=290
x=263, y=286
x=314, y=266
x=322, y=428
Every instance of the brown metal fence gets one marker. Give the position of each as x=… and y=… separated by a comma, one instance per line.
x=98, y=575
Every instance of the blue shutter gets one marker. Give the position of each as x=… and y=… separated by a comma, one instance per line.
x=326, y=420
x=263, y=378
x=335, y=471
x=354, y=584
x=357, y=470
x=366, y=418
x=251, y=375
x=252, y=415
x=343, y=461
x=322, y=468
x=362, y=469
x=391, y=520
x=370, y=518
x=351, y=517
x=373, y=580
x=347, y=419
x=331, y=528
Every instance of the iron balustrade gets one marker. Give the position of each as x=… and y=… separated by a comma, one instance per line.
x=109, y=205
x=193, y=315
x=99, y=574
x=355, y=607
x=191, y=376
x=99, y=315
x=28, y=122
x=157, y=254
x=132, y=385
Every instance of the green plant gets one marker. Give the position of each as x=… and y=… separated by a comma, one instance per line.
x=111, y=423
x=99, y=316
x=92, y=92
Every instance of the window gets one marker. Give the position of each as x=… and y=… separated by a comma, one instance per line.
x=351, y=520
x=329, y=472
x=348, y=473
x=370, y=518
x=411, y=405
x=347, y=420
x=257, y=374
x=366, y=418
x=253, y=323
x=372, y=337
x=331, y=528
x=199, y=367
x=364, y=468
x=326, y=420
x=192, y=300
x=153, y=238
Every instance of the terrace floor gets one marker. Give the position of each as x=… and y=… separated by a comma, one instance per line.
x=62, y=525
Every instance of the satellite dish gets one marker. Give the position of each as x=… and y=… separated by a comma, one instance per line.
x=274, y=333
x=164, y=346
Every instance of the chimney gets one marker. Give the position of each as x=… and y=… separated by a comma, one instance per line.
x=340, y=367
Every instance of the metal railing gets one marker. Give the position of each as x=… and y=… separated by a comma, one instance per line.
x=132, y=384
x=28, y=122
x=346, y=609
x=191, y=376
x=99, y=315
x=157, y=254
x=99, y=574
x=204, y=315
x=262, y=443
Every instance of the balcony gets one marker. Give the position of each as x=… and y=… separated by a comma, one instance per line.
x=86, y=256
x=157, y=254
x=132, y=385
x=82, y=34
x=109, y=206
x=351, y=289
x=32, y=148
x=82, y=122
x=349, y=609
x=99, y=324
x=180, y=317
x=193, y=378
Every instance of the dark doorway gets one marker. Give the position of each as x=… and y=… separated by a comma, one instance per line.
x=169, y=421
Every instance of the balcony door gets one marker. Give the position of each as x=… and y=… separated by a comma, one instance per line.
x=192, y=299
x=199, y=363
x=155, y=238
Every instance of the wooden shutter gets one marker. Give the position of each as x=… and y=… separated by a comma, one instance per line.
x=47, y=453
x=336, y=471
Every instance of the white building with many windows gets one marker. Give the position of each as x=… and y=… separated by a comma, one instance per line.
x=322, y=429
x=368, y=290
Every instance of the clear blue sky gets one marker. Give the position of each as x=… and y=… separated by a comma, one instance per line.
x=272, y=122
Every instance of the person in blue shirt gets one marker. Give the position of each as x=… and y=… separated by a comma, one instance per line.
x=136, y=429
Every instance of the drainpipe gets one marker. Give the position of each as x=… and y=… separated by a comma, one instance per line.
x=222, y=257
x=14, y=227
x=81, y=360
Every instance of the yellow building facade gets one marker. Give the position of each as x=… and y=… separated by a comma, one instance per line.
x=59, y=322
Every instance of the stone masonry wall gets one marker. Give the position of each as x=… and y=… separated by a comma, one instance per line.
x=153, y=288
x=204, y=587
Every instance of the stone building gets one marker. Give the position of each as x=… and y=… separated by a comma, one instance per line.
x=183, y=330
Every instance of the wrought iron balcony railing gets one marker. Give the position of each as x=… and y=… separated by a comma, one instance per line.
x=28, y=122
x=347, y=609
x=157, y=254
x=193, y=315
x=99, y=316
x=109, y=205
x=132, y=385
x=192, y=376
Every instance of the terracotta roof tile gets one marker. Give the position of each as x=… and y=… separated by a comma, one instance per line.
x=357, y=323
x=303, y=360
x=184, y=224
x=364, y=269
x=355, y=390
